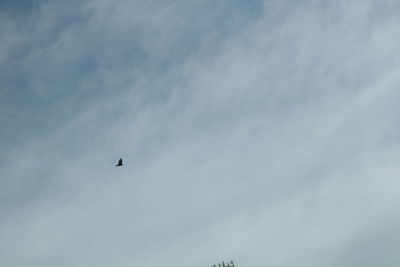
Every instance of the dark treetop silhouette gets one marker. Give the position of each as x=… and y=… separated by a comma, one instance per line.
x=230, y=264
x=119, y=163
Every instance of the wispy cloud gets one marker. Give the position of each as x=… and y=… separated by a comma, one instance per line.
x=259, y=131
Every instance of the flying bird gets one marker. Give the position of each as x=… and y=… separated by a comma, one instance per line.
x=119, y=163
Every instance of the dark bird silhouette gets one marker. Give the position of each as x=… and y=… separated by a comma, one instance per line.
x=119, y=163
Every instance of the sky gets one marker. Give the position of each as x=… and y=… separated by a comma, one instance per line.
x=260, y=131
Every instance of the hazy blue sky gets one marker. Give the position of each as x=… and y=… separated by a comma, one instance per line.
x=266, y=132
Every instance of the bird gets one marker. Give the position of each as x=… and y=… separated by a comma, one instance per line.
x=119, y=163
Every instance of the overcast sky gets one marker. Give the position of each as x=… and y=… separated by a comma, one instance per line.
x=262, y=131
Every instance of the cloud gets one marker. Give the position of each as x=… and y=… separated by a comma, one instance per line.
x=263, y=132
